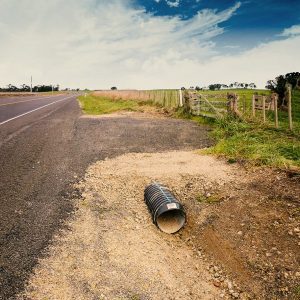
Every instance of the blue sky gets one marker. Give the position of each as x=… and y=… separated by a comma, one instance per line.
x=255, y=22
x=145, y=44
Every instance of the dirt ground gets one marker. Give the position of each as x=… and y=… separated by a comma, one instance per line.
x=241, y=240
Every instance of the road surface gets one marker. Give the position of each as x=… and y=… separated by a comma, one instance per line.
x=45, y=146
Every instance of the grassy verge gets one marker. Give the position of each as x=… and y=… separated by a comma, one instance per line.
x=256, y=144
x=98, y=105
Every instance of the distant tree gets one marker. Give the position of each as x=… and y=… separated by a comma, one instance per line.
x=215, y=86
x=252, y=85
x=114, y=88
x=198, y=88
x=278, y=85
x=12, y=88
x=44, y=88
x=183, y=88
x=24, y=88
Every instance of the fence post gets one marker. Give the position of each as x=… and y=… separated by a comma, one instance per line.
x=289, y=100
x=237, y=100
x=253, y=106
x=264, y=108
x=276, y=109
x=180, y=98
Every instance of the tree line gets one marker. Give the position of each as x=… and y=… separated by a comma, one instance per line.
x=221, y=86
x=26, y=88
x=234, y=85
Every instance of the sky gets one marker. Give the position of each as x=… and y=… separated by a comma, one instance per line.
x=146, y=44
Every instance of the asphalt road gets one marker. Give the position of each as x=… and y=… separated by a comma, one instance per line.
x=11, y=108
x=45, y=146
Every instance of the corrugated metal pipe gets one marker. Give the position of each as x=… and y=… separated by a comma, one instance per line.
x=167, y=213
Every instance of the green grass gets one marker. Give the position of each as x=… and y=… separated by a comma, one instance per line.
x=296, y=105
x=256, y=143
x=210, y=200
x=98, y=105
x=242, y=92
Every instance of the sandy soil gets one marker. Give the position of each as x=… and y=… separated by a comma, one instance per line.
x=112, y=250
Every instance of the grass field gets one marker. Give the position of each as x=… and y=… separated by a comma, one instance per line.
x=97, y=105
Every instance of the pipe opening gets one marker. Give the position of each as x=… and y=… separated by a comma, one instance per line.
x=171, y=221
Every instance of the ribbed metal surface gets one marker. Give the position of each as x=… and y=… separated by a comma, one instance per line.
x=160, y=200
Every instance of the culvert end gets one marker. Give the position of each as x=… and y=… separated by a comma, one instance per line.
x=171, y=221
x=167, y=212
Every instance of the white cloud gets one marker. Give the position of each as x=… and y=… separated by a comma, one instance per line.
x=292, y=31
x=174, y=3
x=98, y=44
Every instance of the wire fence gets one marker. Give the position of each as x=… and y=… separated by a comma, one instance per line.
x=264, y=107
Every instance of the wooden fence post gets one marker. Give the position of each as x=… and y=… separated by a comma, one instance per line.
x=264, y=108
x=236, y=101
x=199, y=107
x=289, y=100
x=180, y=98
x=244, y=104
x=275, y=99
x=253, y=106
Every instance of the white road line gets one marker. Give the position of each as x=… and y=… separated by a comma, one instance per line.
x=31, y=111
x=27, y=100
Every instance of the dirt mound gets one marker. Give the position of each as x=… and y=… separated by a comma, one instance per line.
x=113, y=250
x=239, y=242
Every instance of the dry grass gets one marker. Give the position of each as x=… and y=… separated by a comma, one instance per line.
x=166, y=98
x=17, y=94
